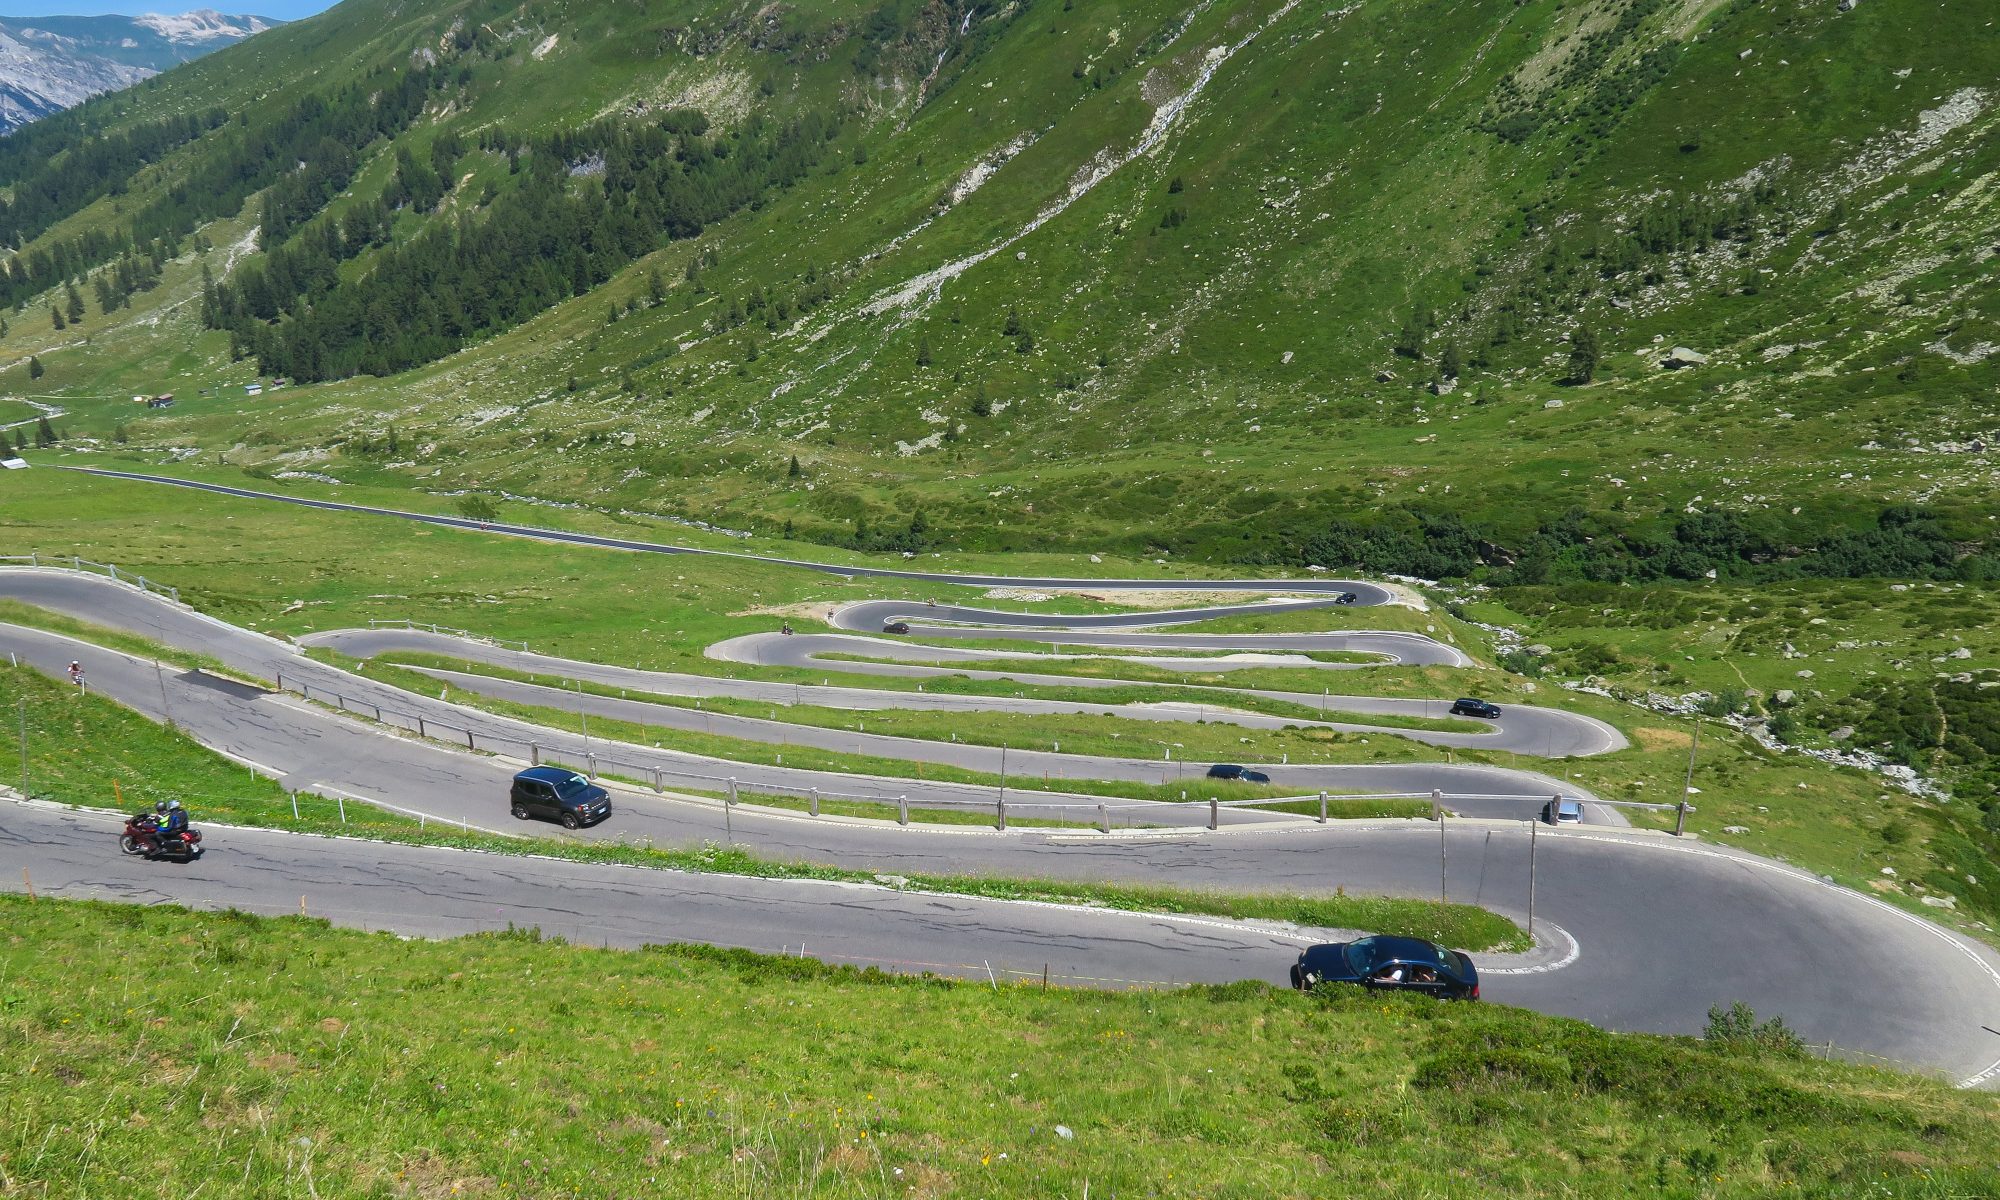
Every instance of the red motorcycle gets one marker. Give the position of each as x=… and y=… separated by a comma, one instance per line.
x=143, y=836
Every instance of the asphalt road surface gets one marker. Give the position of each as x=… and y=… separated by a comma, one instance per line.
x=1522, y=729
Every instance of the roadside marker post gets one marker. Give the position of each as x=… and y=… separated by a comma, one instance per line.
x=1533, y=830
x=1214, y=813
x=1322, y=808
x=903, y=810
x=1103, y=823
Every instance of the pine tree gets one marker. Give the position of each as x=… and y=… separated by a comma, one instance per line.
x=1410, y=340
x=794, y=471
x=45, y=434
x=20, y=440
x=35, y=368
x=1449, y=363
x=981, y=406
x=118, y=434
x=1013, y=326
x=55, y=316
x=924, y=351
x=72, y=303
x=1582, y=355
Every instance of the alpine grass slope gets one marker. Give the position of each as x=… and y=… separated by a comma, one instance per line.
x=1620, y=289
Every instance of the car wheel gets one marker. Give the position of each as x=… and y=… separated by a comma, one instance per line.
x=569, y=820
x=1298, y=982
x=520, y=812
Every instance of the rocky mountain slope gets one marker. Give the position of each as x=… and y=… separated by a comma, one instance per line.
x=48, y=64
x=1605, y=289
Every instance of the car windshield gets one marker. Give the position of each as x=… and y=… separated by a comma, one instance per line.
x=573, y=787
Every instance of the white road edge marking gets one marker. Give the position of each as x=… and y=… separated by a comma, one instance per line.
x=1574, y=952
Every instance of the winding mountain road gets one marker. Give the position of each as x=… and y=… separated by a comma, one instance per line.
x=1640, y=931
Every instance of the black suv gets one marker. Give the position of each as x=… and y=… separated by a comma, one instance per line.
x=1466, y=706
x=1346, y=598
x=555, y=794
x=1240, y=774
x=896, y=627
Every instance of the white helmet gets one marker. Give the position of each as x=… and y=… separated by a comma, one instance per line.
x=173, y=804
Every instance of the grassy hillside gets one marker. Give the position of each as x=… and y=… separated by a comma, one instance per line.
x=355, y=1065
x=1144, y=277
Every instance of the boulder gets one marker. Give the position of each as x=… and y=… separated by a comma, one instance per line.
x=1557, y=403
x=1681, y=357
x=1784, y=696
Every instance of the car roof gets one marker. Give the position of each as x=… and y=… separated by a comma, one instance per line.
x=1403, y=949
x=547, y=774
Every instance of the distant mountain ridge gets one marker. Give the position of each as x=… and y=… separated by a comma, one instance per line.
x=48, y=64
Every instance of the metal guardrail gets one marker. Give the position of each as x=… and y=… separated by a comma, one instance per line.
x=434, y=627
x=660, y=776
x=70, y=562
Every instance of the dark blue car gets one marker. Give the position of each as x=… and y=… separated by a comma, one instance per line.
x=1403, y=964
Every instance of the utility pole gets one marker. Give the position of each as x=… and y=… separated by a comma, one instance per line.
x=1681, y=811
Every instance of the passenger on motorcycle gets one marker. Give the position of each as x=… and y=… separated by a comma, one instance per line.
x=175, y=828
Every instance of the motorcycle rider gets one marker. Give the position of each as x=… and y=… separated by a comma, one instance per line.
x=175, y=830
x=159, y=819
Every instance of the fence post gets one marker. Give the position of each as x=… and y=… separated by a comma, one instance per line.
x=814, y=793
x=113, y=569
x=658, y=787
x=1104, y=818
x=903, y=811
x=1214, y=813
x=75, y=563
x=468, y=739
x=535, y=756
x=420, y=728
x=1000, y=813
x=1322, y=808
x=1437, y=805
x=176, y=593
x=732, y=791
x=378, y=711
x=590, y=769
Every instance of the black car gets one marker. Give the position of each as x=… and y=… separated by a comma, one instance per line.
x=555, y=794
x=896, y=627
x=1237, y=773
x=1466, y=706
x=1403, y=964
x=1346, y=598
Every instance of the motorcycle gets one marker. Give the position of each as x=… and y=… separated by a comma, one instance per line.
x=142, y=836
